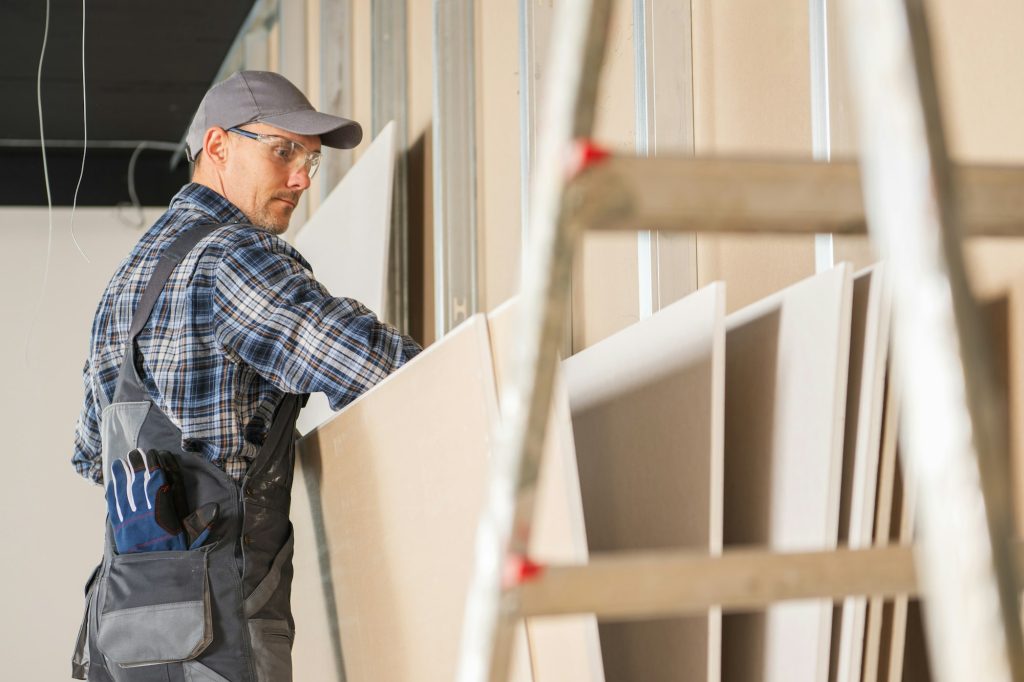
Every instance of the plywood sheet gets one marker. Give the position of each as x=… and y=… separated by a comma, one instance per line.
x=403, y=471
x=869, y=344
x=648, y=413
x=563, y=648
x=346, y=242
x=786, y=373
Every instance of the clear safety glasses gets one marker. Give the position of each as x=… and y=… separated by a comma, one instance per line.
x=284, y=151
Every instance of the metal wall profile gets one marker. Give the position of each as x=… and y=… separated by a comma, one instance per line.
x=535, y=21
x=821, y=129
x=390, y=102
x=534, y=33
x=667, y=263
x=291, y=19
x=335, y=82
x=454, y=164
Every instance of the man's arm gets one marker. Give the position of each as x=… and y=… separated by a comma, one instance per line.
x=272, y=314
x=87, y=460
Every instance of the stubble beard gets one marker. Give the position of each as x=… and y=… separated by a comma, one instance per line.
x=266, y=219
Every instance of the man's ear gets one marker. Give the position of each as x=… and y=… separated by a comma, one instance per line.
x=215, y=146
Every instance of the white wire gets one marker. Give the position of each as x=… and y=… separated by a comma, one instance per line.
x=46, y=178
x=132, y=194
x=85, y=144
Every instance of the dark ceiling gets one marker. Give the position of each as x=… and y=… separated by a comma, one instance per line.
x=147, y=65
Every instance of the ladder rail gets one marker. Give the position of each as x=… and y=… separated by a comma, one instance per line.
x=955, y=423
x=503, y=530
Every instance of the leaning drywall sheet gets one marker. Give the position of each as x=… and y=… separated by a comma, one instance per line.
x=879, y=608
x=567, y=647
x=786, y=368
x=346, y=242
x=316, y=650
x=648, y=416
x=403, y=472
x=869, y=344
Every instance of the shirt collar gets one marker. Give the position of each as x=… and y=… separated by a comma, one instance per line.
x=213, y=204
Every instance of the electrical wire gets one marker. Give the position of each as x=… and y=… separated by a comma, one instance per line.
x=132, y=194
x=85, y=145
x=46, y=178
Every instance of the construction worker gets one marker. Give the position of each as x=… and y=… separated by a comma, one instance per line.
x=205, y=342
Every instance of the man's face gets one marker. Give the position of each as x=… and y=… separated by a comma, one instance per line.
x=255, y=180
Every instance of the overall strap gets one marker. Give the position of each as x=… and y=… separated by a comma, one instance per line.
x=281, y=428
x=169, y=259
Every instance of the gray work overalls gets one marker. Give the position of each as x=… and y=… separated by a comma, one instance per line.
x=220, y=612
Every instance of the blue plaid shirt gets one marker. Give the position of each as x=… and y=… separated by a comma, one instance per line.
x=240, y=322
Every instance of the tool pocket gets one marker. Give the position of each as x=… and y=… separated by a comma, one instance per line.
x=270, y=635
x=80, y=657
x=156, y=609
x=271, y=649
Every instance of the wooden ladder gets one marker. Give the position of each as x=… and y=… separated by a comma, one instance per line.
x=955, y=429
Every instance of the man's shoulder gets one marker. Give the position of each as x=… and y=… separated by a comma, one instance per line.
x=242, y=240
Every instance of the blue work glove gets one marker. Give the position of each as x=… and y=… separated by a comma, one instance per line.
x=141, y=504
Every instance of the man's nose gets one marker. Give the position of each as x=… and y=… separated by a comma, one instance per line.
x=299, y=179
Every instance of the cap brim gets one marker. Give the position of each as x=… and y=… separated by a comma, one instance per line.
x=334, y=131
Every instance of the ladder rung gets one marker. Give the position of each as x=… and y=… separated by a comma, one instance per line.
x=717, y=194
x=635, y=585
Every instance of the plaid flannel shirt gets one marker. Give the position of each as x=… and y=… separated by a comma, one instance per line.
x=240, y=322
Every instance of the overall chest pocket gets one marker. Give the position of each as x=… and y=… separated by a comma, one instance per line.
x=155, y=608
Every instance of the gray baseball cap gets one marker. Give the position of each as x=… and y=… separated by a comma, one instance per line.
x=266, y=97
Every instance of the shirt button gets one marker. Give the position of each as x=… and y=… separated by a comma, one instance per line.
x=247, y=539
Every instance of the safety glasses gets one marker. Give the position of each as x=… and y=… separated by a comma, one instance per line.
x=284, y=151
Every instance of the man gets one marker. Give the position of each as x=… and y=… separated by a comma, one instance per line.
x=204, y=342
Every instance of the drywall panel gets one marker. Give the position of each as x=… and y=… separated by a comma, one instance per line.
x=346, y=242
x=879, y=609
x=786, y=372
x=978, y=63
x=648, y=414
x=567, y=647
x=869, y=345
x=403, y=471
x=498, y=147
x=751, y=66
x=996, y=267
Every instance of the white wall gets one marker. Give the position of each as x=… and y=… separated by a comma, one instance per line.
x=51, y=519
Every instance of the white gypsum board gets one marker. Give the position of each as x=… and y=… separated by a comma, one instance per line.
x=786, y=371
x=403, y=473
x=869, y=343
x=565, y=648
x=880, y=609
x=347, y=242
x=648, y=416
x=316, y=650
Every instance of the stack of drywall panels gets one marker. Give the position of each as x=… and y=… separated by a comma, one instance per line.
x=691, y=429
